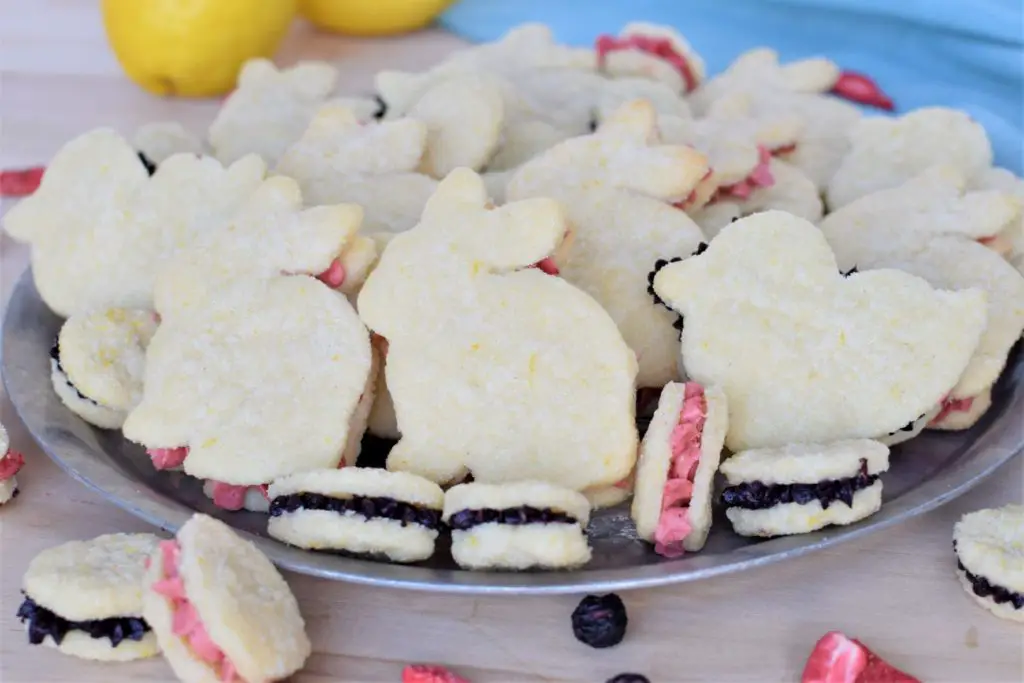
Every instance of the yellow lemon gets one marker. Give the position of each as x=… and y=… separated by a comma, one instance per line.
x=193, y=48
x=371, y=17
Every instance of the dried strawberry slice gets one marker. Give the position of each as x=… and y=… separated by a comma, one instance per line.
x=428, y=673
x=20, y=182
x=859, y=88
x=839, y=659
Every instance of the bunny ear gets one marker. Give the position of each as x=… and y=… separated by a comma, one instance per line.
x=256, y=71
x=633, y=121
x=810, y=75
x=314, y=80
x=460, y=189
x=755, y=60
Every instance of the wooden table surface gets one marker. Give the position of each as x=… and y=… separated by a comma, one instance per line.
x=895, y=590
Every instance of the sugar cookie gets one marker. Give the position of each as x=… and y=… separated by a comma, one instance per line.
x=364, y=511
x=676, y=469
x=269, y=109
x=885, y=153
x=100, y=226
x=265, y=379
x=800, y=488
x=517, y=526
x=990, y=563
x=10, y=463
x=477, y=336
x=806, y=354
x=85, y=598
x=97, y=363
x=645, y=50
x=220, y=609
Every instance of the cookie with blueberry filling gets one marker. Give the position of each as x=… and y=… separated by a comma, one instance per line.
x=85, y=598
x=679, y=456
x=800, y=488
x=990, y=564
x=97, y=363
x=522, y=525
x=372, y=512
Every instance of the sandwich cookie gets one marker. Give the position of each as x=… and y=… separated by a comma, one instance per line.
x=989, y=547
x=678, y=459
x=97, y=363
x=517, y=526
x=800, y=488
x=358, y=510
x=85, y=598
x=220, y=609
x=10, y=463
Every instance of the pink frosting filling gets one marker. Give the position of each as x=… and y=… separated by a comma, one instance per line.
x=692, y=197
x=231, y=496
x=952, y=405
x=166, y=458
x=761, y=176
x=186, y=622
x=657, y=47
x=684, y=442
x=10, y=464
x=859, y=88
x=547, y=265
x=334, y=276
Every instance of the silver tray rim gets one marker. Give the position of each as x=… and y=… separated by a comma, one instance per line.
x=993, y=448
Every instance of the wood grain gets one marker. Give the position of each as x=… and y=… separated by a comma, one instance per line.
x=895, y=590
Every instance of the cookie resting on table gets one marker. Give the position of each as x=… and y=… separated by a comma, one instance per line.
x=219, y=608
x=523, y=525
x=989, y=547
x=97, y=363
x=480, y=343
x=800, y=488
x=361, y=511
x=85, y=598
x=806, y=354
x=675, y=473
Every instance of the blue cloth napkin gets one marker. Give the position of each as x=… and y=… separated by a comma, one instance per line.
x=967, y=54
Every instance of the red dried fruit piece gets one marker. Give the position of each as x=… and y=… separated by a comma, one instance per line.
x=429, y=673
x=859, y=88
x=839, y=659
x=20, y=182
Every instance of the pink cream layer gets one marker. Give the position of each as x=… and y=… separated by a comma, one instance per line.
x=225, y=496
x=661, y=48
x=761, y=176
x=685, y=444
x=186, y=623
x=950, y=406
x=10, y=464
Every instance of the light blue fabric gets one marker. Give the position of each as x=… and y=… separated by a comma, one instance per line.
x=967, y=54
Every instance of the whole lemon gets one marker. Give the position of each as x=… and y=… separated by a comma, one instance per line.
x=371, y=17
x=193, y=48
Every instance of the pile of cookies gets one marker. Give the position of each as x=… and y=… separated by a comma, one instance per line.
x=488, y=262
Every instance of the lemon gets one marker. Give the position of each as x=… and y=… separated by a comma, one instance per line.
x=193, y=48
x=371, y=17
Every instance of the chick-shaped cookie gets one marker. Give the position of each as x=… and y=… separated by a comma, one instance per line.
x=97, y=363
x=271, y=234
x=497, y=369
x=269, y=108
x=617, y=187
x=100, y=226
x=261, y=380
x=651, y=51
x=928, y=226
x=886, y=152
x=760, y=69
x=375, y=165
x=805, y=354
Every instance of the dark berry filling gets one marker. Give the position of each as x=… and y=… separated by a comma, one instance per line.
x=382, y=107
x=148, y=163
x=983, y=589
x=42, y=622
x=600, y=620
x=658, y=265
x=368, y=507
x=850, y=272
x=55, y=357
x=757, y=496
x=629, y=678
x=467, y=519
x=909, y=427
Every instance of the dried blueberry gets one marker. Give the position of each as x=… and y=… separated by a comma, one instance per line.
x=629, y=678
x=148, y=163
x=600, y=620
